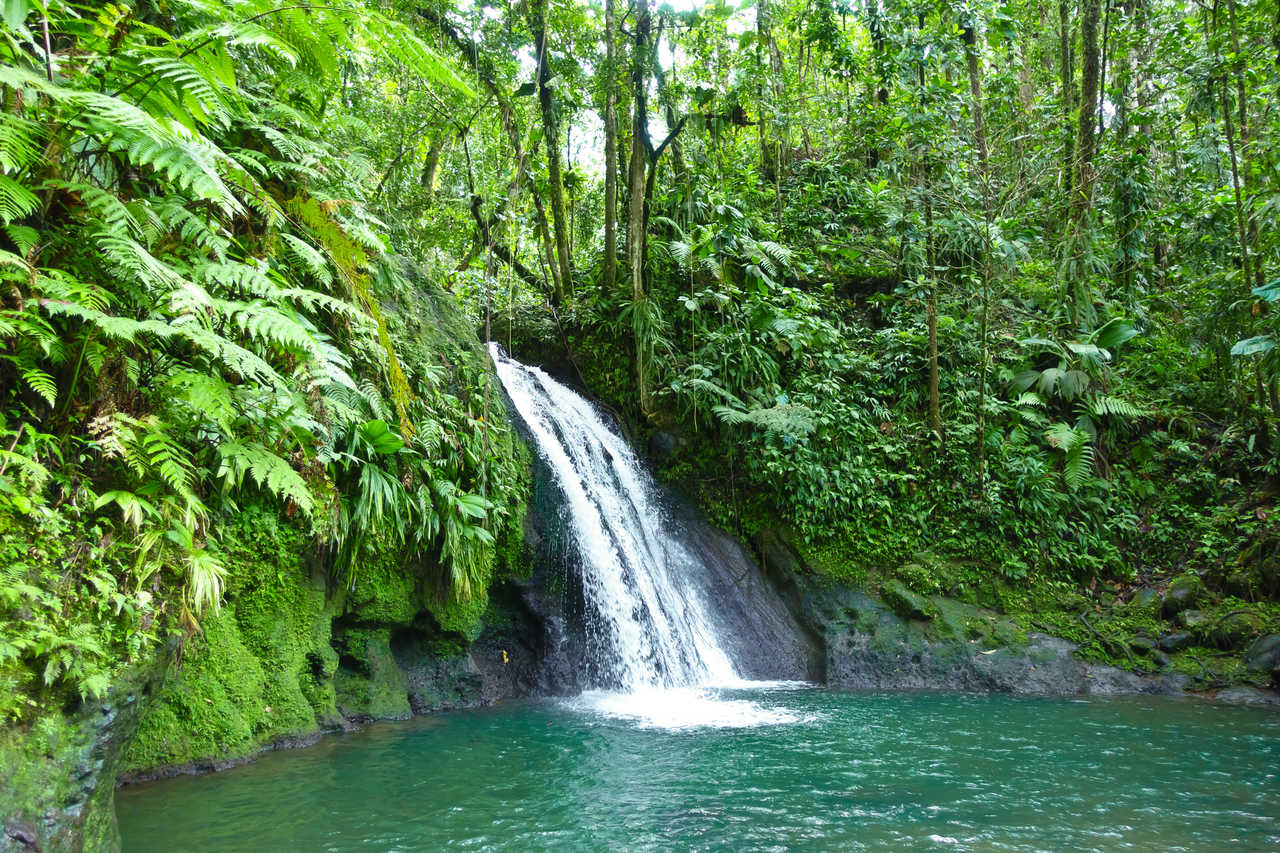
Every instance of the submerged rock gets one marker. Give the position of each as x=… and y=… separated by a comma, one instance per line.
x=1247, y=696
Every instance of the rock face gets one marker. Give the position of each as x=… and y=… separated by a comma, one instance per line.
x=57, y=777
x=759, y=632
x=940, y=645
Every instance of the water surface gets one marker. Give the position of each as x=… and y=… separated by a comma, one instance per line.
x=771, y=768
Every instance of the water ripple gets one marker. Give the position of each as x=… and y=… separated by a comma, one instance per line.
x=766, y=768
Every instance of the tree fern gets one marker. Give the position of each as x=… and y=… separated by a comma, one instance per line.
x=790, y=419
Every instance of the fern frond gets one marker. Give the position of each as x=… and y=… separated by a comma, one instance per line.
x=790, y=419
x=16, y=201
x=1102, y=405
x=271, y=473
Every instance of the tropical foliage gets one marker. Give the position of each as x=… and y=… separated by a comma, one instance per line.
x=992, y=281
x=193, y=318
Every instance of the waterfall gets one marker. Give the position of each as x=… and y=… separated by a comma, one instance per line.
x=648, y=624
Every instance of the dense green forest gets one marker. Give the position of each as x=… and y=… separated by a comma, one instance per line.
x=982, y=294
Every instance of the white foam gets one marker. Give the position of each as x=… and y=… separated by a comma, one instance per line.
x=679, y=708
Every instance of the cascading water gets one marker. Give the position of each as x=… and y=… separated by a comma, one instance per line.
x=649, y=625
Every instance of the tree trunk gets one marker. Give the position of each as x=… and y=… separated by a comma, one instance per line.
x=1067, y=75
x=1245, y=137
x=431, y=165
x=609, y=260
x=550, y=130
x=637, y=198
x=935, y=402
x=1089, y=69
x=972, y=62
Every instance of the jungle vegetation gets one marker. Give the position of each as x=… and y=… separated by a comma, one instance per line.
x=994, y=282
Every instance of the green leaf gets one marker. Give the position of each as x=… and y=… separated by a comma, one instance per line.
x=1254, y=345
x=1113, y=333
x=380, y=437
x=1269, y=291
x=15, y=13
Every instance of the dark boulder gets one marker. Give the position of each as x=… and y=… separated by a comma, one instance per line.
x=1239, y=584
x=1176, y=642
x=1264, y=655
x=662, y=445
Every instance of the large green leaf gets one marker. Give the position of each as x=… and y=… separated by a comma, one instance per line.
x=1269, y=291
x=1254, y=345
x=1113, y=333
x=380, y=437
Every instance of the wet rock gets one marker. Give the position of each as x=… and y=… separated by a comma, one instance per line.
x=1182, y=594
x=1236, y=630
x=23, y=833
x=905, y=603
x=1161, y=659
x=1145, y=599
x=1193, y=620
x=64, y=799
x=1264, y=655
x=869, y=646
x=1176, y=642
x=1247, y=696
x=662, y=445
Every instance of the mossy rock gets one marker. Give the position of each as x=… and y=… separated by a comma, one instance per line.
x=212, y=706
x=1176, y=642
x=906, y=603
x=1236, y=629
x=1264, y=655
x=1183, y=594
x=1195, y=621
x=369, y=684
x=1145, y=600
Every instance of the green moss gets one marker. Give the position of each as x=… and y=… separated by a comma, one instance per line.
x=214, y=705
x=250, y=675
x=905, y=603
x=368, y=682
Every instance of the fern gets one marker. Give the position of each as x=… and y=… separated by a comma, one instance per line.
x=272, y=474
x=1103, y=406
x=16, y=201
x=789, y=419
x=1077, y=452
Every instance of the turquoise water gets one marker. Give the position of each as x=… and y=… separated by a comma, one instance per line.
x=779, y=768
